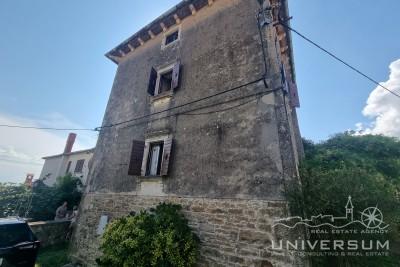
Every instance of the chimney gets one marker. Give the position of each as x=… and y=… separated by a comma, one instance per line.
x=70, y=143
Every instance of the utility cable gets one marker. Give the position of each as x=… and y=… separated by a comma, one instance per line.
x=46, y=128
x=207, y=106
x=280, y=22
x=182, y=105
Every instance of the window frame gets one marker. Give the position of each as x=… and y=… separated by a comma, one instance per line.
x=160, y=72
x=165, y=150
x=76, y=165
x=169, y=33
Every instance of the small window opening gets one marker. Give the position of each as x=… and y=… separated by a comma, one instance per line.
x=79, y=166
x=171, y=37
x=154, y=159
x=165, y=82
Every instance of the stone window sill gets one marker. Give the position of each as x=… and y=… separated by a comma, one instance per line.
x=163, y=95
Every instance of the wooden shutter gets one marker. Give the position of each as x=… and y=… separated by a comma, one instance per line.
x=135, y=164
x=152, y=82
x=166, y=156
x=145, y=158
x=175, y=75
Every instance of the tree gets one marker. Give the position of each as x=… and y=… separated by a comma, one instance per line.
x=364, y=167
x=13, y=197
x=41, y=201
x=161, y=237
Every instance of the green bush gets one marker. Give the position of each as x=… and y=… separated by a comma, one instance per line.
x=364, y=167
x=161, y=237
x=41, y=201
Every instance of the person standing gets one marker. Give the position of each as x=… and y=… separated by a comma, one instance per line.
x=61, y=212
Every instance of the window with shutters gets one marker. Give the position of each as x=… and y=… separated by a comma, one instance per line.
x=79, y=166
x=165, y=80
x=150, y=157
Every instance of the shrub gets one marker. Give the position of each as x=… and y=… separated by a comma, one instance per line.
x=159, y=237
x=41, y=201
x=364, y=167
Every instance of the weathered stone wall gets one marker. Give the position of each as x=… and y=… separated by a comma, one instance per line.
x=233, y=232
x=242, y=152
x=50, y=232
x=227, y=168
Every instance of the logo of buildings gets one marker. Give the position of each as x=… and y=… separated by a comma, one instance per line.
x=370, y=218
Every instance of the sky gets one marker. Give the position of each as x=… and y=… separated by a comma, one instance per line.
x=53, y=72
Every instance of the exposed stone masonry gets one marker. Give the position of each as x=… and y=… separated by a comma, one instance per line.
x=232, y=232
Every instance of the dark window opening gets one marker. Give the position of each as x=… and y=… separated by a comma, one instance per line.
x=154, y=159
x=171, y=37
x=79, y=165
x=68, y=167
x=165, y=82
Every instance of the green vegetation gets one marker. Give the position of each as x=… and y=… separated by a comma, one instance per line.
x=53, y=256
x=364, y=167
x=40, y=202
x=160, y=237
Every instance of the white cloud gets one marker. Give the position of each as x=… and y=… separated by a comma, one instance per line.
x=21, y=150
x=383, y=107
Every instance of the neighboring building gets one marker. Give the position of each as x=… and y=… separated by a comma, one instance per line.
x=75, y=163
x=201, y=113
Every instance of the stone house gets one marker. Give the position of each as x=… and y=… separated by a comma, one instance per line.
x=202, y=113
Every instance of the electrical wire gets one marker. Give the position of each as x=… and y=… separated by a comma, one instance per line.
x=220, y=110
x=46, y=128
x=280, y=22
x=207, y=106
x=139, y=117
x=183, y=105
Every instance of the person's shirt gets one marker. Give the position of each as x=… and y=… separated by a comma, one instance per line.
x=73, y=216
x=61, y=212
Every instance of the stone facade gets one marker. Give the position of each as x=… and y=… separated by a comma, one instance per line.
x=231, y=153
x=233, y=232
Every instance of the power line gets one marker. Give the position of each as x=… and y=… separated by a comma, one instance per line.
x=139, y=117
x=337, y=58
x=259, y=94
x=183, y=105
x=46, y=128
x=220, y=110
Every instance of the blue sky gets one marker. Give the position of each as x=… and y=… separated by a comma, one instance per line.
x=53, y=72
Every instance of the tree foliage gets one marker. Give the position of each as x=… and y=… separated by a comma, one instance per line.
x=160, y=237
x=41, y=201
x=364, y=167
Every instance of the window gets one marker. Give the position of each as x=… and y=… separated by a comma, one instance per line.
x=79, y=165
x=150, y=157
x=154, y=159
x=165, y=82
x=165, y=79
x=68, y=167
x=172, y=37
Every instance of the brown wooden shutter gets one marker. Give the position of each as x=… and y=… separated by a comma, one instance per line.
x=166, y=156
x=135, y=164
x=175, y=75
x=152, y=82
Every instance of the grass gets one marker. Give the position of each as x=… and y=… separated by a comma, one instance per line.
x=53, y=256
